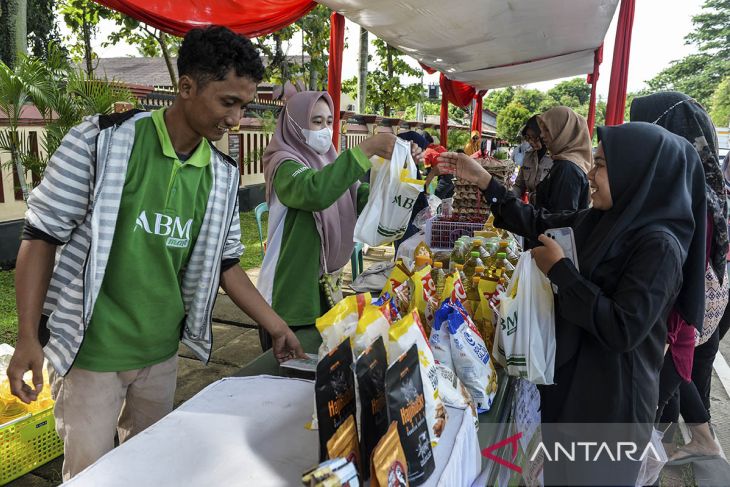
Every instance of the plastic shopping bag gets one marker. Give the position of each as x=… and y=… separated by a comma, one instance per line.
x=393, y=191
x=524, y=341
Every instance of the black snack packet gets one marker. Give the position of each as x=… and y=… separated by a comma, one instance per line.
x=407, y=407
x=370, y=369
x=334, y=392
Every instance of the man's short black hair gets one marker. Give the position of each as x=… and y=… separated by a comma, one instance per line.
x=428, y=137
x=210, y=53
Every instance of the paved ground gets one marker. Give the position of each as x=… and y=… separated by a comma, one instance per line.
x=234, y=345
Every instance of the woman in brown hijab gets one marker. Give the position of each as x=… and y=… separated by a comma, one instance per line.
x=565, y=134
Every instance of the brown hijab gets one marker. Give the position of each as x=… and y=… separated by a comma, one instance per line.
x=336, y=224
x=570, y=138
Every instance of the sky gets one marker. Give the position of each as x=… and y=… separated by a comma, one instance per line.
x=657, y=39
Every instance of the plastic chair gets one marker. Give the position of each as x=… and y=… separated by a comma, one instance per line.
x=259, y=211
x=356, y=260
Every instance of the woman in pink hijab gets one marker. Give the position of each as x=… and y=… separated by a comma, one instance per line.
x=314, y=197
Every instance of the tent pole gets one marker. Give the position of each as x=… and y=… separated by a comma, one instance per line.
x=620, y=67
x=593, y=80
x=334, y=71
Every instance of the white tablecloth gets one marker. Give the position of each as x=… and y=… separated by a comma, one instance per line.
x=249, y=431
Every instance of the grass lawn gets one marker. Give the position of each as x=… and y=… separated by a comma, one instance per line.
x=9, y=319
x=250, y=238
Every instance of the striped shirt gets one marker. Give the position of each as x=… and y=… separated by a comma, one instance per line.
x=77, y=203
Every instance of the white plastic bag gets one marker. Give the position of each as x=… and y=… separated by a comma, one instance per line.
x=524, y=342
x=651, y=466
x=393, y=191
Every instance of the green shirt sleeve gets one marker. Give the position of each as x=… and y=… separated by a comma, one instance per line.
x=300, y=187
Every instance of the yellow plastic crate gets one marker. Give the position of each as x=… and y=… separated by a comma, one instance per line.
x=28, y=444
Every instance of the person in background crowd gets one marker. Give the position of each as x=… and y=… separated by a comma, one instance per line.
x=314, y=197
x=119, y=269
x=474, y=143
x=687, y=372
x=519, y=152
x=536, y=165
x=565, y=134
x=640, y=251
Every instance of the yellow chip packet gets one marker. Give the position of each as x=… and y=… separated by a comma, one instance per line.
x=388, y=466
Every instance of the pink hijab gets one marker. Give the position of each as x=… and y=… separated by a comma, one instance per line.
x=336, y=224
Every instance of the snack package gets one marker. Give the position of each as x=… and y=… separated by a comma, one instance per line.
x=398, y=276
x=334, y=393
x=485, y=318
x=472, y=362
x=372, y=324
x=423, y=296
x=344, y=443
x=388, y=306
x=388, y=467
x=439, y=339
x=453, y=288
x=454, y=393
x=341, y=321
x=332, y=473
x=407, y=406
x=370, y=371
x=402, y=336
x=402, y=296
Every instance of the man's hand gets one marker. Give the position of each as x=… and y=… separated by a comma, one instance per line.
x=464, y=167
x=547, y=256
x=286, y=346
x=28, y=356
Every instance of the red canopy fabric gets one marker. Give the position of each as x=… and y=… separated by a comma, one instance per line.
x=334, y=70
x=444, y=122
x=252, y=18
x=456, y=92
x=620, y=69
x=476, y=119
x=593, y=80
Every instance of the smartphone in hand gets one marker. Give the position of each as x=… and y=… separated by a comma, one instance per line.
x=566, y=239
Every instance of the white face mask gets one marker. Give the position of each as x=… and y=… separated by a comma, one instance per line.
x=319, y=140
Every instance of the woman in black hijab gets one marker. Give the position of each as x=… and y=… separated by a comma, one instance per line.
x=688, y=370
x=640, y=251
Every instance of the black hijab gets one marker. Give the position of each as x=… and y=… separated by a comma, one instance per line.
x=657, y=185
x=683, y=116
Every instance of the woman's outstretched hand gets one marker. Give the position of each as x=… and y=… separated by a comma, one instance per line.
x=464, y=167
x=382, y=145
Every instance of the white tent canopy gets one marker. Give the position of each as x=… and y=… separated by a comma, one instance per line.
x=489, y=43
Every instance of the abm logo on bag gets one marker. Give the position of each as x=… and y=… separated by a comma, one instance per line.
x=509, y=324
x=404, y=201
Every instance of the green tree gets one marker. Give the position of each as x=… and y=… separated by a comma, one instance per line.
x=497, y=100
x=278, y=68
x=531, y=99
x=698, y=75
x=62, y=94
x=83, y=17
x=576, y=90
x=385, y=91
x=150, y=42
x=511, y=120
x=720, y=112
x=457, y=139
x=315, y=27
x=40, y=24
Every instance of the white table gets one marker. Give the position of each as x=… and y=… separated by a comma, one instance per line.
x=249, y=431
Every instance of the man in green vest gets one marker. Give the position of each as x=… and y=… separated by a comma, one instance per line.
x=126, y=241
